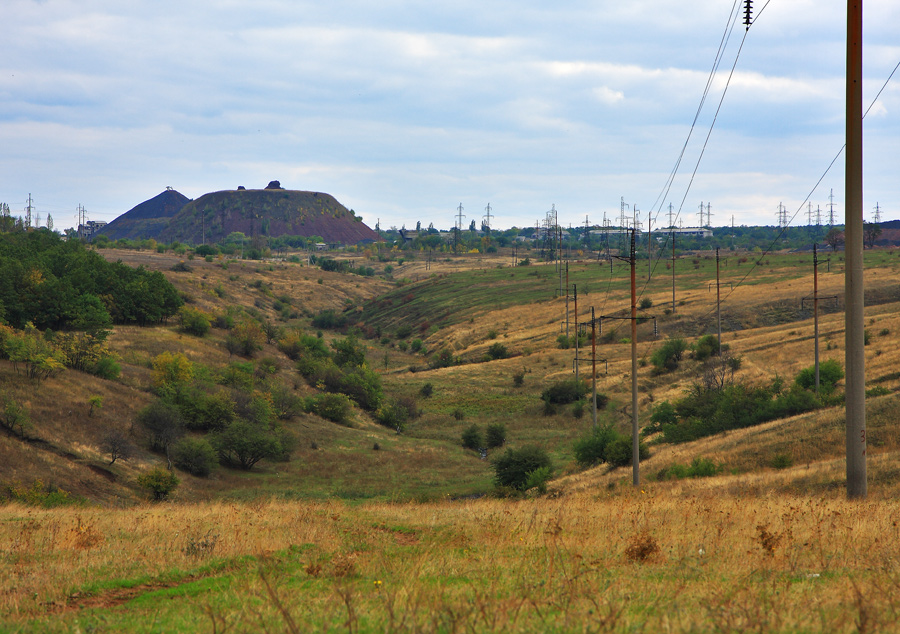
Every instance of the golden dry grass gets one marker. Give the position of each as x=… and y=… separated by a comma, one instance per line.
x=679, y=558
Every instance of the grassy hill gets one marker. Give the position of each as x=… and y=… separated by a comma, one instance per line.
x=367, y=529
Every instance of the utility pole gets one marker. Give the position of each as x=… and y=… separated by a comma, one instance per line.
x=459, y=219
x=594, y=362
x=673, y=270
x=635, y=440
x=718, y=304
x=854, y=329
x=567, y=302
x=649, y=247
x=575, y=292
x=816, y=310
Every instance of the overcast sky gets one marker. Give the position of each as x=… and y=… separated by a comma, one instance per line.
x=404, y=110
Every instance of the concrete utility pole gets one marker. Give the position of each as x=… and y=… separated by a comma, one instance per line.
x=673, y=271
x=575, y=293
x=635, y=440
x=854, y=329
x=594, y=362
x=718, y=305
x=816, y=310
x=649, y=247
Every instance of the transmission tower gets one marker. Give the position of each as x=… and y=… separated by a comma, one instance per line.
x=702, y=209
x=487, y=216
x=831, y=209
x=671, y=215
x=708, y=215
x=877, y=217
x=28, y=209
x=459, y=219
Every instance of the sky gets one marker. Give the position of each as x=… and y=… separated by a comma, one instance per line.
x=406, y=110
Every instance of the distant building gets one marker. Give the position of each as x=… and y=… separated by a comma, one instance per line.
x=87, y=230
x=691, y=232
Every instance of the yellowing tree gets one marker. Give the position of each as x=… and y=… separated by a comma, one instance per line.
x=171, y=372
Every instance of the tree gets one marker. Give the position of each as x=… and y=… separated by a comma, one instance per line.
x=472, y=438
x=163, y=424
x=158, y=482
x=495, y=436
x=243, y=444
x=514, y=466
x=871, y=231
x=194, y=455
x=834, y=238
x=95, y=401
x=13, y=416
x=171, y=372
x=117, y=445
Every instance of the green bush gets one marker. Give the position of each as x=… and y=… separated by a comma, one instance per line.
x=243, y=444
x=194, y=322
x=396, y=413
x=699, y=468
x=512, y=469
x=472, y=438
x=194, y=455
x=495, y=435
x=619, y=451
x=519, y=378
x=590, y=450
x=564, y=392
x=427, y=390
x=333, y=407
x=538, y=479
x=666, y=357
x=158, y=482
x=442, y=359
x=497, y=351
x=107, y=368
x=830, y=372
x=706, y=347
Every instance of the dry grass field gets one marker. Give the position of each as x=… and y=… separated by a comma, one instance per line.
x=368, y=530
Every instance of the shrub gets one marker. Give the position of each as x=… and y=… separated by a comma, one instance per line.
x=458, y=414
x=194, y=322
x=427, y=390
x=497, y=351
x=194, y=455
x=330, y=320
x=443, y=358
x=107, y=368
x=619, y=451
x=591, y=449
x=830, y=372
x=564, y=392
x=396, y=413
x=472, y=438
x=495, y=435
x=706, y=347
x=514, y=466
x=519, y=378
x=13, y=416
x=782, y=461
x=416, y=345
x=243, y=444
x=666, y=357
x=158, y=482
x=333, y=407
x=403, y=331
x=578, y=410
x=245, y=338
x=538, y=479
x=646, y=303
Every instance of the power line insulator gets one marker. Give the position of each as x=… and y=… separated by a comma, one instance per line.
x=748, y=8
